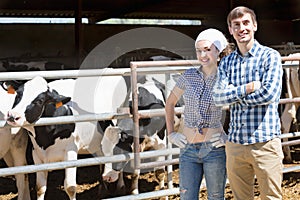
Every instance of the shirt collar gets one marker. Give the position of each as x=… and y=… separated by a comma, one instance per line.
x=252, y=52
x=199, y=70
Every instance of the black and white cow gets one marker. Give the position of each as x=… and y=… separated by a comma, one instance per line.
x=61, y=142
x=151, y=130
x=14, y=66
x=13, y=147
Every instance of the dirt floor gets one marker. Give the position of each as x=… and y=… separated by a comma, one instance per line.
x=87, y=188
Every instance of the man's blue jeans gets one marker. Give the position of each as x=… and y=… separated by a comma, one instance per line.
x=198, y=160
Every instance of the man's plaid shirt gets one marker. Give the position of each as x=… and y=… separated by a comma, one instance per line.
x=253, y=117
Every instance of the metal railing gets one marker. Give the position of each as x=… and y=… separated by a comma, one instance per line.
x=147, y=67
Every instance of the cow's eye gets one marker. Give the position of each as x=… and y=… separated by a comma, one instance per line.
x=38, y=102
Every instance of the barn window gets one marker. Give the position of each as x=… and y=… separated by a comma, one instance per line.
x=151, y=21
x=38, y=20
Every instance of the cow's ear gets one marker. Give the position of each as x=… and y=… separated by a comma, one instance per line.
x=59, y=98
x=11, y=86
x=11, y=90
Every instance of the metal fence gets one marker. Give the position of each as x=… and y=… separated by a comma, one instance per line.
x=141, y=67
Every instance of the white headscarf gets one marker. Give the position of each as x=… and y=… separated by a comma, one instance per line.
x=214, y=36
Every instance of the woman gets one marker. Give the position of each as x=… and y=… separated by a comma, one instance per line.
x=202, y=149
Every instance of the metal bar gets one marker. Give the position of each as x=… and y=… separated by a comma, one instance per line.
x=136, y=133
x=289, y=100
x=159, y=163
x=289, y=135
x=157, y=112
x=84, y=162
x=149, y=195
x=170, y=167
x=290, y=143
x=294, y=57
x=147, y=64
x=291, y=169
x=94, y=117
x=289, y=65
x=165, y=63
x=72, y=119
x=58, y=74
x=169, y=145
x=157, y=153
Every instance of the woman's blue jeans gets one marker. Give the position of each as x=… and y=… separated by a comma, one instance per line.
x=198, y=160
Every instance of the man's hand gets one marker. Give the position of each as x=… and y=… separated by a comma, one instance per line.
x=253, y=86
x=177, y=139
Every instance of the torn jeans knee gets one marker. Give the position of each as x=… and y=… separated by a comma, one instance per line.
x=182, y=190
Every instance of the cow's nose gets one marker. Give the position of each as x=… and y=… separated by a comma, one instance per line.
x=11, y=117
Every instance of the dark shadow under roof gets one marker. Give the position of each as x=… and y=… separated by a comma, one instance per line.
x=98, y=10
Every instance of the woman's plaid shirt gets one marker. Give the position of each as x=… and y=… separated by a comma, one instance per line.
x=199, y=110
x=253, y=117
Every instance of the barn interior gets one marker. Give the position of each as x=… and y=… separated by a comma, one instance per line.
x=71, y=44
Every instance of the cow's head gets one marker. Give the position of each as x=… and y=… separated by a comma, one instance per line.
x=31, y=100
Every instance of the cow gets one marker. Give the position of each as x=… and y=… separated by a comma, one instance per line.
x=291, y=81
x=152, y=133
x=14, y=66
x=61, y=142
x=13, y=147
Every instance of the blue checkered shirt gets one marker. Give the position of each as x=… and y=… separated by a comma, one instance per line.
x=199, y=111
x=254, y=117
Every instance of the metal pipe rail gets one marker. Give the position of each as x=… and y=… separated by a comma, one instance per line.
x=86, y=162
x=59, y=74
x=94, y=117
x=73, y=118
x=108, y=116
x=149, y=195
x=290, y=143
x=159, y=163
x=291, y=58
x=289, y=135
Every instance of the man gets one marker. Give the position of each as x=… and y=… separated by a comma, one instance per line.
x=249, y=82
